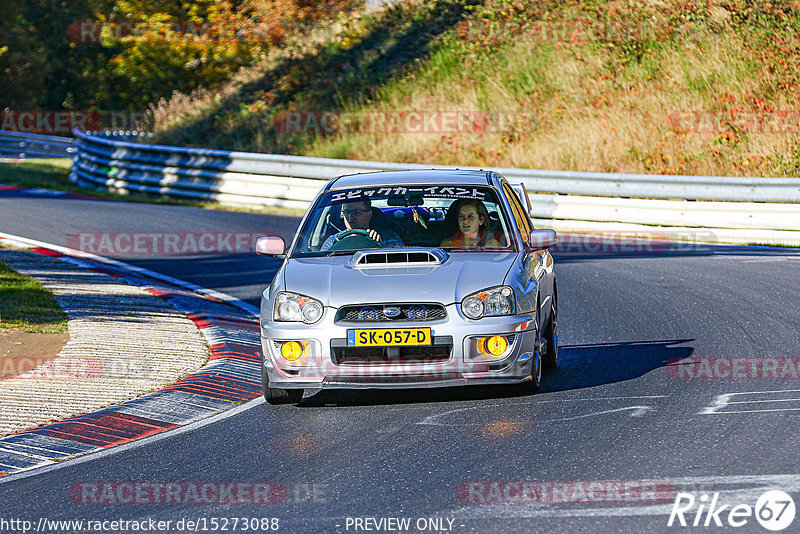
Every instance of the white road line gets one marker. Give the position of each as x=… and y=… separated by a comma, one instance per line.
x=25, y=242
x=602, y=398
x=772, y=260
x=768, y=400
x=87, y=457
x=430, y=420
x=522, y=511
x=758, y=411
x=721, y=401
x=638, y=411
x=765, y=392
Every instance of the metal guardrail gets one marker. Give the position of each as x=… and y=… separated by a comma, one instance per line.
x=701, y=214
x=204, y=169
x=292, y=181
x=28, y=145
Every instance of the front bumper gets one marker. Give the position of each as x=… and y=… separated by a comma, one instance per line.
x=320, y=367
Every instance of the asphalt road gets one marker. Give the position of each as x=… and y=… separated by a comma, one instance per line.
x=612, y=422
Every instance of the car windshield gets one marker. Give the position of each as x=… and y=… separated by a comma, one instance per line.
x=456, y=218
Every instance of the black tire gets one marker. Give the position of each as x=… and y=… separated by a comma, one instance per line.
x=550, y=355
x=277, y=395
x=532, y=385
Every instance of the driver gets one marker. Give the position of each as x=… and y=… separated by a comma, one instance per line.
x=358, y=216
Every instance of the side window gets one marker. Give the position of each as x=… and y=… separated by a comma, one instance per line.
x=519, y=214
x=314, y=238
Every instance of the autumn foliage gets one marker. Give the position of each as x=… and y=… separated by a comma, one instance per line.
x=112, y=55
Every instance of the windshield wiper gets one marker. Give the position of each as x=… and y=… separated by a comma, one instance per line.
x=475, y=249
x=343, y=252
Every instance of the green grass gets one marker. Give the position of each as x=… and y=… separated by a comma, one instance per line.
x=28, y=307
x=44, y=173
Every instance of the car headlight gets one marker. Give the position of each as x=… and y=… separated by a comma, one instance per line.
x=489, y=302
x=291, y=307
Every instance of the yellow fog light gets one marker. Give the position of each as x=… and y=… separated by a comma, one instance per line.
x=292, y=350
x=496, y=345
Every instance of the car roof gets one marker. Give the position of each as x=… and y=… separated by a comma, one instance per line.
x=439, y=177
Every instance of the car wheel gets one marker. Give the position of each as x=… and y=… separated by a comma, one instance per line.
x=278, y=395
x=550, y=354
x=532, y=385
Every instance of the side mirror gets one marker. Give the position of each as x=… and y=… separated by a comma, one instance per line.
x=270, y=246
x=541, y=239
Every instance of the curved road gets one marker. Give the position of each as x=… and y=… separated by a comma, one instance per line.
x=610, y=424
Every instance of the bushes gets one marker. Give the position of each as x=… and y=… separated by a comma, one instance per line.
x=115, y=55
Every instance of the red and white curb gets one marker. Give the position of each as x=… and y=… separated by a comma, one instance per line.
x=230, y=378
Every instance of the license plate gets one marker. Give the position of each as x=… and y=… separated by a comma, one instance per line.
x=388, y=337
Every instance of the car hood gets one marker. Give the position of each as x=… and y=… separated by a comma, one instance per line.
x=335, y=282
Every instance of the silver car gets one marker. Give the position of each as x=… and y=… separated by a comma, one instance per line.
x=410, y=279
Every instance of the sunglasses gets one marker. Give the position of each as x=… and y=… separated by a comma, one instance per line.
x=350, y=213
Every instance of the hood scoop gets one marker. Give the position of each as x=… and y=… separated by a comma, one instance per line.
x=415, y=257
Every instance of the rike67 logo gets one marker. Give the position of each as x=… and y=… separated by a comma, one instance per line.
x=774, y=510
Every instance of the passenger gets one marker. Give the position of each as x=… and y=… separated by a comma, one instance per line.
x=358, y=216
x=473, y=223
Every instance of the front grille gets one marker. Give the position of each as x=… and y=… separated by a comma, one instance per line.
x=391, y=312
x=395, y=379
x=391, y=355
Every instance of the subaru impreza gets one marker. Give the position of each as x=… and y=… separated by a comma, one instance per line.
x=410, y=279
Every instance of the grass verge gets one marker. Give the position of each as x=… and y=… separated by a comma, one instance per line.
x=26, y=306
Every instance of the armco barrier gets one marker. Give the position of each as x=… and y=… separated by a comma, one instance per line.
x=738, y=203
x=701, y=214
x=27, y=145
x=211, y=167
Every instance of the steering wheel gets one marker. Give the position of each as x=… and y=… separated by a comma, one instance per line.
x=354, y=239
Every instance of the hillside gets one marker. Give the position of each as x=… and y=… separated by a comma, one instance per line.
x=685, y=87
